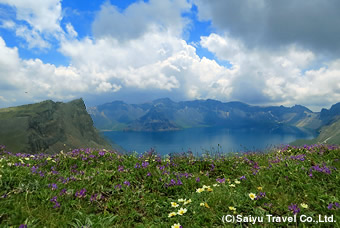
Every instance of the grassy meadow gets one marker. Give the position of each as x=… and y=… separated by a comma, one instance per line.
x=100, y=188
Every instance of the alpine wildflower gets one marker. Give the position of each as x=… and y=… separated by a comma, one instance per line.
x=252, y=196
x=174, y=204
x=172, y=214
x=199, y=190
x=187, y=202
x=176, y=225
x=182, y=211
x=232, y=208
x=303, y=205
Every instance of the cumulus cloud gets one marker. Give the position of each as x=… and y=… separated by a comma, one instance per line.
x=24, y=80
x=140, y=51
x=312, y=24
x=276, y=76
x=139, y=18
x=37, y=21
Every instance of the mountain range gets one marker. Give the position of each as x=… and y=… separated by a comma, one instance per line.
x=49, y=127
x=166, y=115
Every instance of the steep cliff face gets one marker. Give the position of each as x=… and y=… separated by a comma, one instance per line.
x=48, y=127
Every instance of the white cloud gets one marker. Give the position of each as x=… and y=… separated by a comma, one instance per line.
x=276, y=76
x=145, y=53
x=140, y=18
x=43, y=21
x=23, y=80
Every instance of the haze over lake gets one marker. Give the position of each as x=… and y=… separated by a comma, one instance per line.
x=198, y=140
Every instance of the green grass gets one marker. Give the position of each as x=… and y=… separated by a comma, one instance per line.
x=137, y=190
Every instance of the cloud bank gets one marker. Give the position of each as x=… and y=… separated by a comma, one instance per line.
x=275, y=53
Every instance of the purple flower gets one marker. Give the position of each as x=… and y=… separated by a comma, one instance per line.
x=221, y=181
x=81, y=193
x=53, y=186
x=148, y=174
x=118, y=186
x=127, y=183
x=23, y=226
x=121, y=168
x=197, y=179
x=330, y=206
x=56, y=203
x=179, y=182
x=337, y=204
x=137, y=166
x=41, y=173
x=62, y=192
x=260, y=195
x=34, y=169
x=243, y=178
x=93, y=197
x=145, y=164
x=294, y=208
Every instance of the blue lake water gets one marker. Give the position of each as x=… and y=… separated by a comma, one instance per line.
x=198, y=140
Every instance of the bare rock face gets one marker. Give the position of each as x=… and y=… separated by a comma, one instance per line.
x=49, y=127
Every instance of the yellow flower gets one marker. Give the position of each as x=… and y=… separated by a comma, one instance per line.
x=259, y=188
x=209, y=189
x=199, y=190
x=206, y=205
x=232, y=185
x=181, y=200
x=237, y=182
x=202, y=204
x=304, y=205
x=174, y=204
x=27, y=159
x=232, y=208
x=49, y=158
x=182, y=211
x=187, y=201
x=216, y=185
x=172, y=214
x=205, y=187
x=176, y=225
x=252, y=196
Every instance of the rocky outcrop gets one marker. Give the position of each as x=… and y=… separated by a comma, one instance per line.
x=49, y=127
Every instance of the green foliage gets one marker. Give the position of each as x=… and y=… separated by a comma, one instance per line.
x=101, y=188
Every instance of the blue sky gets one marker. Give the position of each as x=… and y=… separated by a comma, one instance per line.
x=258, y=52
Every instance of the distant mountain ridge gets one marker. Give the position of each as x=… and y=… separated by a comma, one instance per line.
x=329, y=131
x=48, y=127
x=164, y=114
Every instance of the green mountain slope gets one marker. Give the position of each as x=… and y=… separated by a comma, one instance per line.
x=48, y=127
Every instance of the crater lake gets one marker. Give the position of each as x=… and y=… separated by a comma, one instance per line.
x=201, y=140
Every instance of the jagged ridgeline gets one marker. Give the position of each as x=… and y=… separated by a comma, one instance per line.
x=48, y=127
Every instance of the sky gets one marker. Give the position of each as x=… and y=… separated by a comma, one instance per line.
x=260, y=52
